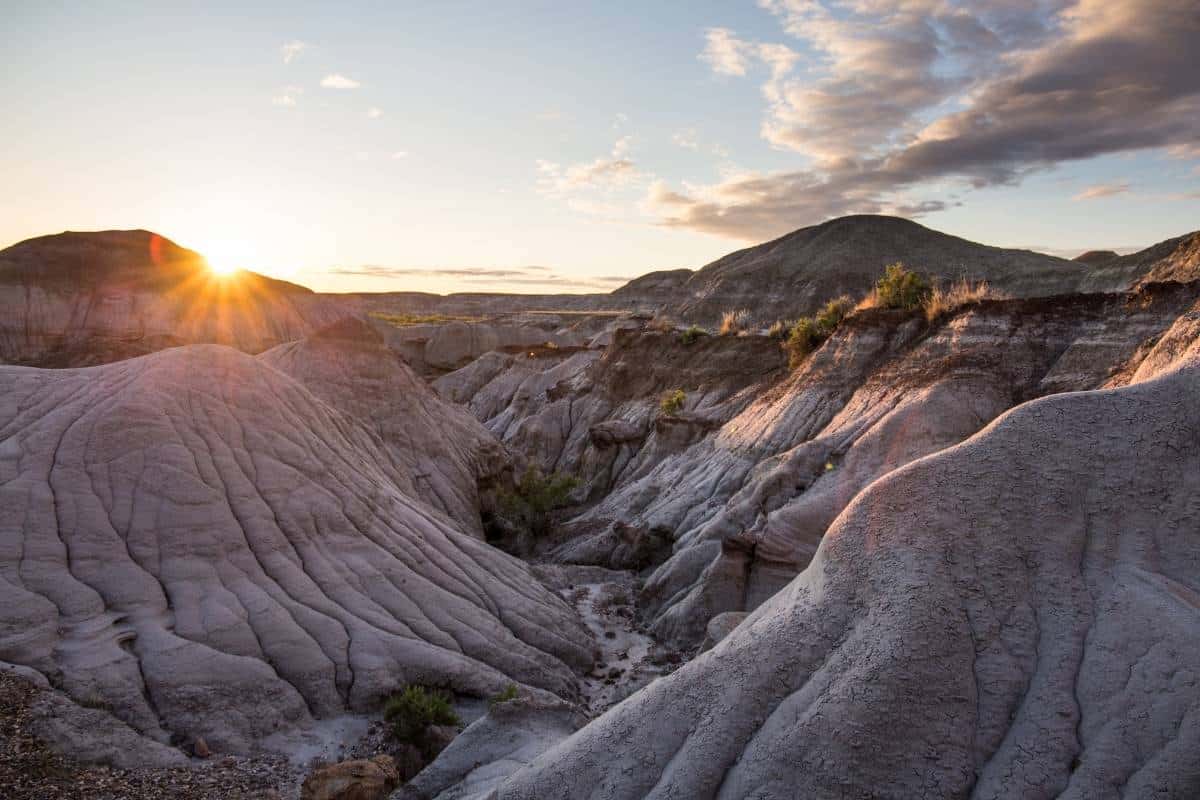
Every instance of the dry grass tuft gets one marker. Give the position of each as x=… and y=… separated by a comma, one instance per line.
x=735, y=322
x=940, y=302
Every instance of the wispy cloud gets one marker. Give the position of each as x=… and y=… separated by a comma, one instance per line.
x=585, y=184
x=905, y=98
x=686, y=139
x=287, y=96
x=374, y=112
x=532, y=275
x=339, y=81
x=292, y=49
x=1102, y=190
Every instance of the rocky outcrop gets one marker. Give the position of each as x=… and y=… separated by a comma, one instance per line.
x=442, y=347
x=1015, y=616
x=207, y=547
x=76, y=299
x=595, y=413
x=1175, y=260
x=737, y=490
x=447, y=454
x=365, y=779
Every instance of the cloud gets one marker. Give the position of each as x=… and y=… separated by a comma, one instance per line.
x=400, y=154
x=339, y=81
x=287, y=96
x=531, y=275
x=588, y=186
x=724, y=52
x=374, y=113
x=686, y=139
x=1102, y=190
x=905, y=98
x=292, y=49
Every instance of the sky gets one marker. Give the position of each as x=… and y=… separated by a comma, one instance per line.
x=569, y=146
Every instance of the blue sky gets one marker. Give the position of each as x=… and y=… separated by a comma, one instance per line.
x=465, y=144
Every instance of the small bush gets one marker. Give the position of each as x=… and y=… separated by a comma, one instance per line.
x=693, y=333
x=414, y=710
x=833, y=312
x=672, y=402
x=735, y=322
x=508, y=693
x=528, y=505
x=807, y=333
x=960, y=294
x=900, y=287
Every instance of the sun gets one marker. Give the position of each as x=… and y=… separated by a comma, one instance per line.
x=227, y=258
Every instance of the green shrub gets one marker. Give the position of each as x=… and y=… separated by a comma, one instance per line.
x=414, y=710
x=528, y=505
x=900, y=287
x=692, y=334
x=672, y=402
x=508, y=693
x=833, y=312
x=807, y=333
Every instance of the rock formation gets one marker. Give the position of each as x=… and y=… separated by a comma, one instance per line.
x=1016, y=616
x=204, y=545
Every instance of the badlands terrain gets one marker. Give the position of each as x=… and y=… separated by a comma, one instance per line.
x=943, y=550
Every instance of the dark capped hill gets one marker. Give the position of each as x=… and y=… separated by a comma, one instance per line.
x=78, y=299
x=794, y=274
x=135, y=259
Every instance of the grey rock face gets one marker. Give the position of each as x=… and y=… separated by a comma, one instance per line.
x=1017, y=616
x=212, y=550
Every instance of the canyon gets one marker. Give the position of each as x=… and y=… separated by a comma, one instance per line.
x=950, y=552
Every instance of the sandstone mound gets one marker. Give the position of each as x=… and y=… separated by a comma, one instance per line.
x=198, y=542
x=443, y=449
x=76, y=299
x=1017, y=616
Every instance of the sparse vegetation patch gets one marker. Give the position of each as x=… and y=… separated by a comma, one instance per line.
x=899, y=287
x=528, y=505
x=672, y=402
x=506, y=694
x=403, y=320
x=414, y=710
x=960, y=294
x=807, y=333
x=693, y=333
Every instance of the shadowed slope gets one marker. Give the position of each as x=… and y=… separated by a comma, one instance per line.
x=196, y=541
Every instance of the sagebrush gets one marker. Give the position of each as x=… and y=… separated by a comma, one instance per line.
x=807, y=333
x=414, y=710
x=672, y=402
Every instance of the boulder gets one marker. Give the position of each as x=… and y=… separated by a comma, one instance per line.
x=365, y=779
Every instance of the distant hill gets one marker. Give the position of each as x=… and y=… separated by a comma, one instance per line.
x=77, y=299
x=138, y=259
x=794, y=274
x=1095, y=257
x=1175, y=259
